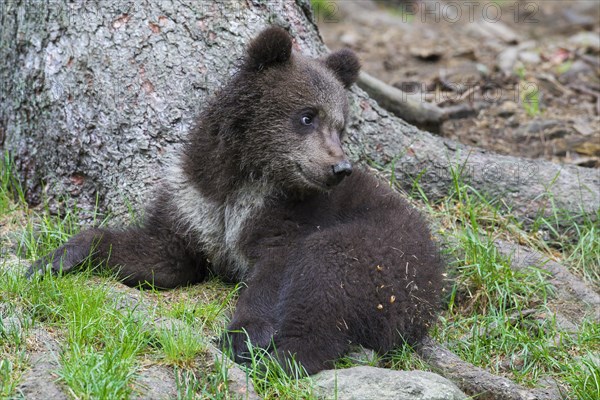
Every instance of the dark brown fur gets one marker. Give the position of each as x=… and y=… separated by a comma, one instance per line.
x=258, y=195
x=355, y=265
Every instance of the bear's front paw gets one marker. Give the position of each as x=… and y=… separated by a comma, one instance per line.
x=241, y=339
x=53, y=262
x=70, y=255
x=39, y=267
x=64, y=259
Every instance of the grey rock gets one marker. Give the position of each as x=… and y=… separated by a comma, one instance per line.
x=349, y=39
x=557, y=133
x=574, y=73
x=580, y=17
x=11, y=326
x=370, y=383
x=239, y=384
x=156, y=382
x=39, y=382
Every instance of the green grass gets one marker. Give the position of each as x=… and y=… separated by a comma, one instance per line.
x=531, y=101
x=197, y=384
x=99, y=342
x=529, y=93
x=13, y=331
x=326, y=9
x=358, y=356
x=485, y=282
x=574, y=236
x=12, y=366
x=584, y=252
x=404, y=359
x=498, y=318
x=211, y=313
x=102, y=343
x=564, y=67
x=188, y=384
x=11, y=193
x=93, y=373
x=180, y=344
x=578, y=238
x=45, y=231
x=271, y=381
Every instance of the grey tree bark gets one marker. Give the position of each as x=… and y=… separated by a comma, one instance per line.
x=95, y=95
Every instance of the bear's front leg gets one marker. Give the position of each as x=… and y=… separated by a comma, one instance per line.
x=149, y=256
x=314, y=310
x=255, y=316
x=312, y=331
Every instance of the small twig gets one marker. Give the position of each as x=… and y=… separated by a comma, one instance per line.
x=582, y=89
x=497, y=30
x=591, y=60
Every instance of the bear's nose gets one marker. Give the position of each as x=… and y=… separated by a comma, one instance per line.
x=343, y=168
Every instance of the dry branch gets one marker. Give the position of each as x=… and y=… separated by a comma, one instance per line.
x=410, y=107
x=495, y=30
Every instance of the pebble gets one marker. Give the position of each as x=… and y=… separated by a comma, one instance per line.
x=349, y=39
x=506, y=60
x=530, y=57
x=507, y=109
x=576, y=18
x=588, y=40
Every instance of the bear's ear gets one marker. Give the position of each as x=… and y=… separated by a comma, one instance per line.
x=345, y=65
x=271, y=46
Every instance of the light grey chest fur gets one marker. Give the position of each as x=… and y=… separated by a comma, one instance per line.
x=216, y=227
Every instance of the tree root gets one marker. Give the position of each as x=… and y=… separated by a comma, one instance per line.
x=568, y=286
x=476, y=381
x=409, y=107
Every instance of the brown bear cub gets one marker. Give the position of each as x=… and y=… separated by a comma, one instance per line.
x=263, y=193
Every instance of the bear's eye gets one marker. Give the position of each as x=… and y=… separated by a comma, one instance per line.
x=307, y=120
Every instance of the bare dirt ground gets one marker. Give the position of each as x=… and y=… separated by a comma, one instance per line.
x=524, y=75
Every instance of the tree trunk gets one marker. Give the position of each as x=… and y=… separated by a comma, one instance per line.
x=96, y=94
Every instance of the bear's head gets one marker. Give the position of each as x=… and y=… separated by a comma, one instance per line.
x=287, y=113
